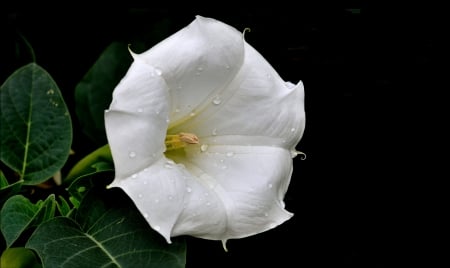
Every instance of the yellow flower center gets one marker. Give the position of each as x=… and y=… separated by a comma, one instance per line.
x=181, y=140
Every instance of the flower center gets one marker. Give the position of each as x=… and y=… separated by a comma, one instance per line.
x=181, y=140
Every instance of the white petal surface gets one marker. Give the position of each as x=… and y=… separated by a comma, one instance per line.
x=137, y=120
x=240, y=187
x=256, y=103
x=195, y=62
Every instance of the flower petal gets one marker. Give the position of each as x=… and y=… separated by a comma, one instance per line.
x=195, y=62
x=137, y=120
x=256, y=103
x=237, y=191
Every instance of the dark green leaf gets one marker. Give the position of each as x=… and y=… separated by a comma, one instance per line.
x=19, y=258
x=36, y=131
x=108, y=231
x=6, y=189
x=19, y=214
x=93, y=94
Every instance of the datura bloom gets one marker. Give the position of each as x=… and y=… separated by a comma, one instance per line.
x=202, y=131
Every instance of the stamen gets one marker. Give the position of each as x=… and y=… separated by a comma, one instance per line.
x=181, y=140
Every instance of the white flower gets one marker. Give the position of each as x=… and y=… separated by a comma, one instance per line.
x=202, y=131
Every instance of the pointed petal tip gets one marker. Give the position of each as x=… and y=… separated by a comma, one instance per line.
x=224, y=245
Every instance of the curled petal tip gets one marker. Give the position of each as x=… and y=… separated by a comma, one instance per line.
x=224, y=245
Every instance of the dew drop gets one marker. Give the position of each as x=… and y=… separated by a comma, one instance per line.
x=270, y=185
x=293, y=129
x=169, y=164
x=266, y=214
x=204, y=147
x=145, y=215
x=227, y=67
x=50, y=92
x=200, y=69
x=140, y=110
x=167, y=120
x=216, y=101
x=170, y=197
x=156, y=201
x=140, y=195
x=192, y=114
x=177, y=110
x=157, y=228
x=132, y=154
x=214, y=132
x=208, y=204
x=188, y=189
x=158, y=72
x=230, y=154
x=107, y=111
x=134, y=176
x=145, y=182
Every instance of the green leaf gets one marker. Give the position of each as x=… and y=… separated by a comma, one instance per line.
x=107, y=231
x=19, y=214
x=6, y=189
x=35, y=126
x=93, y=94
x=19, y=258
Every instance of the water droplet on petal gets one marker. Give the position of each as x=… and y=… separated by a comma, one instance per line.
x=140, y=195
x=266, y=214
x=208, y=203
x=157, y=228
x=132, y=154
x=270, y=185
x=230, y=154
x=158, y=72
x=188, y=189
x=145, y=182
x=145, y=215
x=204, y=147
x=214, y=132
x=134, y=176
x=192, y=114
x=177, y=110
x=200, y=69
x=170, y=197
x=140, y=110
x=293, y=129
x=216, y=101
x=156, y=201
x=227, y=67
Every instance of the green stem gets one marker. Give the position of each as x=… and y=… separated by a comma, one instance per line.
x=84, y=166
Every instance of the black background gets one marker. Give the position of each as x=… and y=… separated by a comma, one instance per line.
x=365, y=68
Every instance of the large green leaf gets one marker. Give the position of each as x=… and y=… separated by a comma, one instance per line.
x=107, y=231
x=19, y=214
x=35, y=126
x=93, y=94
